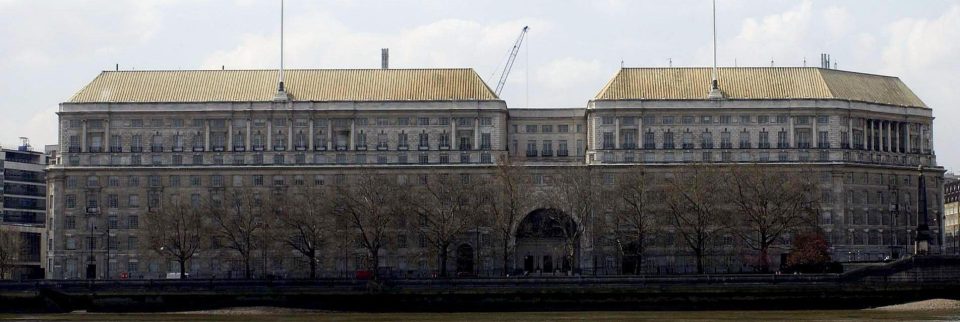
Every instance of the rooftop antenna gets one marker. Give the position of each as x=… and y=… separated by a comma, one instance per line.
x=117, y=67
x=621, y=63
x=715, y=92
x=670, y=64
x=771, y=62
x=281, y=91
x=804, y=61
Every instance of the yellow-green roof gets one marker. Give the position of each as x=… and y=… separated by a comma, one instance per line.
x=758, y=83
x=301, y=85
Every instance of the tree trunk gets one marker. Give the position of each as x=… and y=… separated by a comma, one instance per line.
x=246, y=266
x=699, y=254
x=313, y=264
x=443, y=260
x=506, y=257
x=764, y=259
x=375, y=262
x=183, y=268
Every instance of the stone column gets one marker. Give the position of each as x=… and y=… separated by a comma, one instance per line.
x=353, y=129
x=246, y=137
x=106, y=136
x=290, y=134
x=83, y=136
x=269, y=135
x=850, y=132
x=868, y=145
x=792, y=143
x=229, y=135
x=476, y=133
x=206, y=135
x=616, y=133
x=311, y=135
x=453, y=133
x=907, y=145
x=640, y=133
x=889, y=135
x=330, y=134
x=815, y=136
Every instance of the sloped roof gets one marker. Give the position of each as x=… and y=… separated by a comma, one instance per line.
x=300, y=84
x=758, y=83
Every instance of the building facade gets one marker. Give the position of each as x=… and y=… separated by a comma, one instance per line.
x=129, y=139
x=23, y=213
x=951, y=217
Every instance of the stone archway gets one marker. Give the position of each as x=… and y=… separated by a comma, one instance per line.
x=465, y=259
x=544, y=242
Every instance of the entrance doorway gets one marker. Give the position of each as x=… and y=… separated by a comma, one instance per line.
x=545, y=239
x=464, y=259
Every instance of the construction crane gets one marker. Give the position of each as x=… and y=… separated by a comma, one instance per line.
x=509, y=65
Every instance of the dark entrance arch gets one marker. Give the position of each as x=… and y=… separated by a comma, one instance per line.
x=545, y=242
x=464, y=259
x=632, y=264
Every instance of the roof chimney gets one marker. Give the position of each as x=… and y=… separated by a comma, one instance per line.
x=385, y=58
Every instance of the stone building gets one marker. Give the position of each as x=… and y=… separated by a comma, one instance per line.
x=130, y=138
x=951, y=217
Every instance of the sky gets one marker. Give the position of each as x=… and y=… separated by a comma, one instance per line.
x=50, y=49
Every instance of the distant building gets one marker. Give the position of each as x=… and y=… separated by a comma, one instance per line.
x=128, y=139
x=951, y=217
x=22, y=193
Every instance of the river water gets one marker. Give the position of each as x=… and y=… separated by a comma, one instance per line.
x=838, y=315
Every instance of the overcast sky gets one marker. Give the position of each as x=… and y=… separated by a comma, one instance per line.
x=50, y=49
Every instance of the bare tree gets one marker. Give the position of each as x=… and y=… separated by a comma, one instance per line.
x=371, y=204
x=305, y=221
x=447, y=206
x=634, y=216
x=769, y=205
x=239, y=221
x=576, y=191
x=176, y=231
x=10, y=247
x=510, y=195
x=698, y=211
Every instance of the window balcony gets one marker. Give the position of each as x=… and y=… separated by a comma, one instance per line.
x=239, y=148
x=649, y=146
x=320, y=148
x=484, y=147
x=423, y=147
x=687, y=146
x=531, y=154
x=219, y=148
x=669, y=146
x=403, y=147
x=198, y=149
x=341, y=147
x=547, y=153
x=744, y=145
x=156, y=148
x=136, y=149
x=562, y=153
x=177, y=149
x=629, y=146
x=300, y=148
x=444, y=147
x=726, y=145
x=803, y=145
x=782, y=145
x=258, y=148
x=465, y=147
x=764, y=145
x=823, y=145
x=361, y=147
x=74, y=149
x=95, y=149
x=279, y=148
x=382, y=147
x=93, y=210
x=116, y=149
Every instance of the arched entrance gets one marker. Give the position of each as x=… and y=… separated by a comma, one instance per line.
x=631, y=259
x=464, y=259
x=545, y=242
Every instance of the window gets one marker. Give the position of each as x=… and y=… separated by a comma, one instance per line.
x=563, y=128
x=764, y=139
x=113, y=201
x=823, y=119
x=687, y=119
x=804, y=141
x=71, y=201
x=486, y=121
x=687, y=140
x=485, y=141
x=443, y=121
x=763, y=119
x=216, y=180
x=782, y=119
x=197, y=159
x=744, y=119
x=547, y=148
x=444, y=141
x=153, y=181
x=668, y=120
x=725, y=141
x=133, y=201
x=608, y=142
x=823, y=140
x=745, y=139
x=648, y=141
x=423, y=121
x=279, y=181
x=318, y=180
x=782, y=140
x=562, y=148
x=547, y=128
x=668, y=140
x=403, y=121
x=424, y=141
x=279, y=159
x=258, y=180
x=424, y=158
x=607, y=120
x=531, y=148
x=531, y=129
